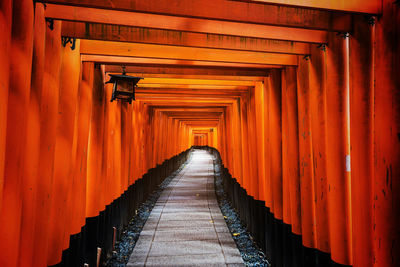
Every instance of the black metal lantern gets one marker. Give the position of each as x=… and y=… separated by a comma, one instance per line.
x=124, y=86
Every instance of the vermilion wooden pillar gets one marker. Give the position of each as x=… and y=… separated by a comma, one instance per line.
x=69, y=83
x=338, y=144
x=290, y=150
x=35, y=125
x=95, y=179
x=32, y=154
x=48, y=124
x=253, y=147
x=260, y=130
x=275, y=135
x=318, y=128
x=386, y=181
x=17, y=109
x=58, y=184
x=245, y=146
x=76, y=198
x=305, y=155
x=362, y=138
x=5, y=46
x=267, y=155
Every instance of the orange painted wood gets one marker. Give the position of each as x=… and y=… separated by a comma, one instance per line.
x=64, y=153
x=106, y=32
x=268, y=186
x=290, y=151
x=56, y=184
x=275, y=135
x=48, y=124
x=37, y=247
x=386, y=192
x=32, y=154
x=253, y=149
x=157, y=62
x=95, y=180
x=13, y=193
x=5, y=47
x=107, y=48
x=157, y=21
x=318, y=110
x=338, y=154
x=242, y=11
x=371, y=7
x=241, y=74
x=69, y=97
x=305, y=156
x=362, y=140
x=286, y=215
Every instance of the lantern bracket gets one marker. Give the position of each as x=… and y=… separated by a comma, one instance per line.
x=66, y=40
x=50, y=23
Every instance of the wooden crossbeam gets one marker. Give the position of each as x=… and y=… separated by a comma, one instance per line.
x=161, y=62
x=93, y=47
x=189, y=71
x=227, y=10
x=107, y=32
x=361, y=6
x=185, y=24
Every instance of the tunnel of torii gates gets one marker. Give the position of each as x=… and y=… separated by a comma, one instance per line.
x=300, y=98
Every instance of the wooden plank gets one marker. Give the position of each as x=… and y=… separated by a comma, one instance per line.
x=359, y=6
x=252, y=12
x=158, y=62
x=93, y=47
x=185, y=24
x=107, y=32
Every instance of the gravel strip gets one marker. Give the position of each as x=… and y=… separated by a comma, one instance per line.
x=252, y=255
x=130, y=235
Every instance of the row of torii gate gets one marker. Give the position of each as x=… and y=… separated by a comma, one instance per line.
x=301, y=99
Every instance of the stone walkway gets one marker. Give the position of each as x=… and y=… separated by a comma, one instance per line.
x=186, y=226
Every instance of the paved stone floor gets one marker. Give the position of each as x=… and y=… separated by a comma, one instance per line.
x=186, y=226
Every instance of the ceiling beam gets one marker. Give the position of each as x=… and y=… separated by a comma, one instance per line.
x=206, y=77
x=242, y=29
x=106, y=32
x=194, y=81
x=161, y=62
x=177, y=71
x=359, y=6
x=194, y=86
x=227, y=10
x=106, y=48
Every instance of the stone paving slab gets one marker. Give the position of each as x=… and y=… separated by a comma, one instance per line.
x=186, y=226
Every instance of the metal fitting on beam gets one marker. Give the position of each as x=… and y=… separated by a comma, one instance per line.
x=50, y=23
x=371, y=20
x=322, y=47
x=66, y=40
x=344, y=35
x=306, y=57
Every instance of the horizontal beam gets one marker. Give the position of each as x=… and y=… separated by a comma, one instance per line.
x=188, y=109
x=185, y=24
x=190, y=91
x=161, y=62
x=194, y=86
x=105, y=48
x=207, y=77
x=359, y=6
x=194, y=81
x=193, y=71
x=188, y=102
x=106, y=32
x=188, y=94
x=227, y=10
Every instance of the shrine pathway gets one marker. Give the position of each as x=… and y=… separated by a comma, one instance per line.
x=186, y=226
